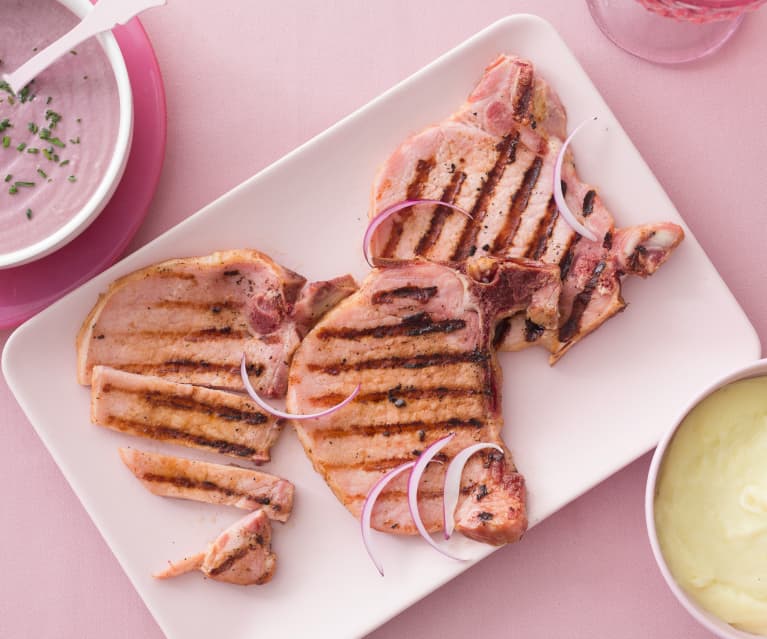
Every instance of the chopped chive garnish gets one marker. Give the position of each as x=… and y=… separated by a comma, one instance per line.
x=8, y=177
x=45, y=134
x=21, y=146
x=57, y=142
x=73, y=140
x=24, y=184
x=42, y=174
x=49, y=100
x=5, y=123
x=33, y=149
x=6, y=141
x=4, y=86
x=13, y=190
x=29, y=214
x=55, y=157
x=53, y=117
x=24, y=94
x=64, y=163
x=47, y=154
x=33, y=127
x=72, y=178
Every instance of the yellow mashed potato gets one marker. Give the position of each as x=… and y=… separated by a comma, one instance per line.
x=711, y=504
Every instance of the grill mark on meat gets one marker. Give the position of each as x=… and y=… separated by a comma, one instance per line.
x=178, y=365
x=420, y=294
x=424, y=494
x=588, y=203
x=186, y=482
x=401, y=392
x=411, y=326
x=389, y=429
x=210, y=333
x=422, y=170
x=518, y=205
x=571, y=326
x=543, y=232
x=507, y=154
x=377, y=464
x=212, y=306
x=567, y=259
x=532, y=331
x=164, y=400
x=170, y=274
x=224, y=332
x=437, y=222
x=168, y=433
x=229, y=561
x=502, y=329
x=637, y=257
x=475, y=356
x=521, y=100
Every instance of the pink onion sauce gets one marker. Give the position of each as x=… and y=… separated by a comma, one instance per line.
x=57, y=136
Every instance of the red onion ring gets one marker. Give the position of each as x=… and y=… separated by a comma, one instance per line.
x=559, y=196
x=367, y=509
x=384, y=215
x=280, y=413
x=412, y=491
x=452, y=486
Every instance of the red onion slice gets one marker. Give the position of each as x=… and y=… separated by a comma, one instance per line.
x=559, y=196
x=452, y=486
x=384, y=215
x=412, y=491
x=280, y=413
x=367, y=509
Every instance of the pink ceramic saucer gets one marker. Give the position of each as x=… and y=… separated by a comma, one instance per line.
x=29, y=288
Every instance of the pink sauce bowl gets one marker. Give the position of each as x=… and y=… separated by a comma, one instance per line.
x=98, y=177
x=713, y=623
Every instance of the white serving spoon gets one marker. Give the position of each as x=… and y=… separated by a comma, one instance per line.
x=103, y=17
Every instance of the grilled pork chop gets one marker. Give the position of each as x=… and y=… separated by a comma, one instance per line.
x=417, y=337
x=190, y=320
x=495, y=158
x=212, y=483
x=152, y=407
x=241, y=555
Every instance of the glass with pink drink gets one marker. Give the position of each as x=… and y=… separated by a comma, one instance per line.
x=670, y=31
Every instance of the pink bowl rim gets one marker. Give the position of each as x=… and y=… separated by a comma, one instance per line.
x=711, y=622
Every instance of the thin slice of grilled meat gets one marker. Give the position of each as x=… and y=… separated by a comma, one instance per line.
x=591, y=291
x=194, y=416
x=495, y=158
x=417, y=337
x=244, y=488
x=190, y=320
x=241, y=555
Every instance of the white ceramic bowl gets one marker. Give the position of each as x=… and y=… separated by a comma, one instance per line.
x=111, y=178
x=711, y=622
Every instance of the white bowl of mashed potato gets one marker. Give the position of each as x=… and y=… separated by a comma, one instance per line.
x=706, y=505
x=65, y=138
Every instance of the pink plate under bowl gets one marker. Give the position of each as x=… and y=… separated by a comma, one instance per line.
x=29, y=288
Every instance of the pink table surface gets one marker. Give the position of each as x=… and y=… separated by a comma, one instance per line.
x=248, y=81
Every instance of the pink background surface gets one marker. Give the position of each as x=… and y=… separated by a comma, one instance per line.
x=246, y=82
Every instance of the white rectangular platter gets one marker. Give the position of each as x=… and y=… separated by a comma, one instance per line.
x=569, y=426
